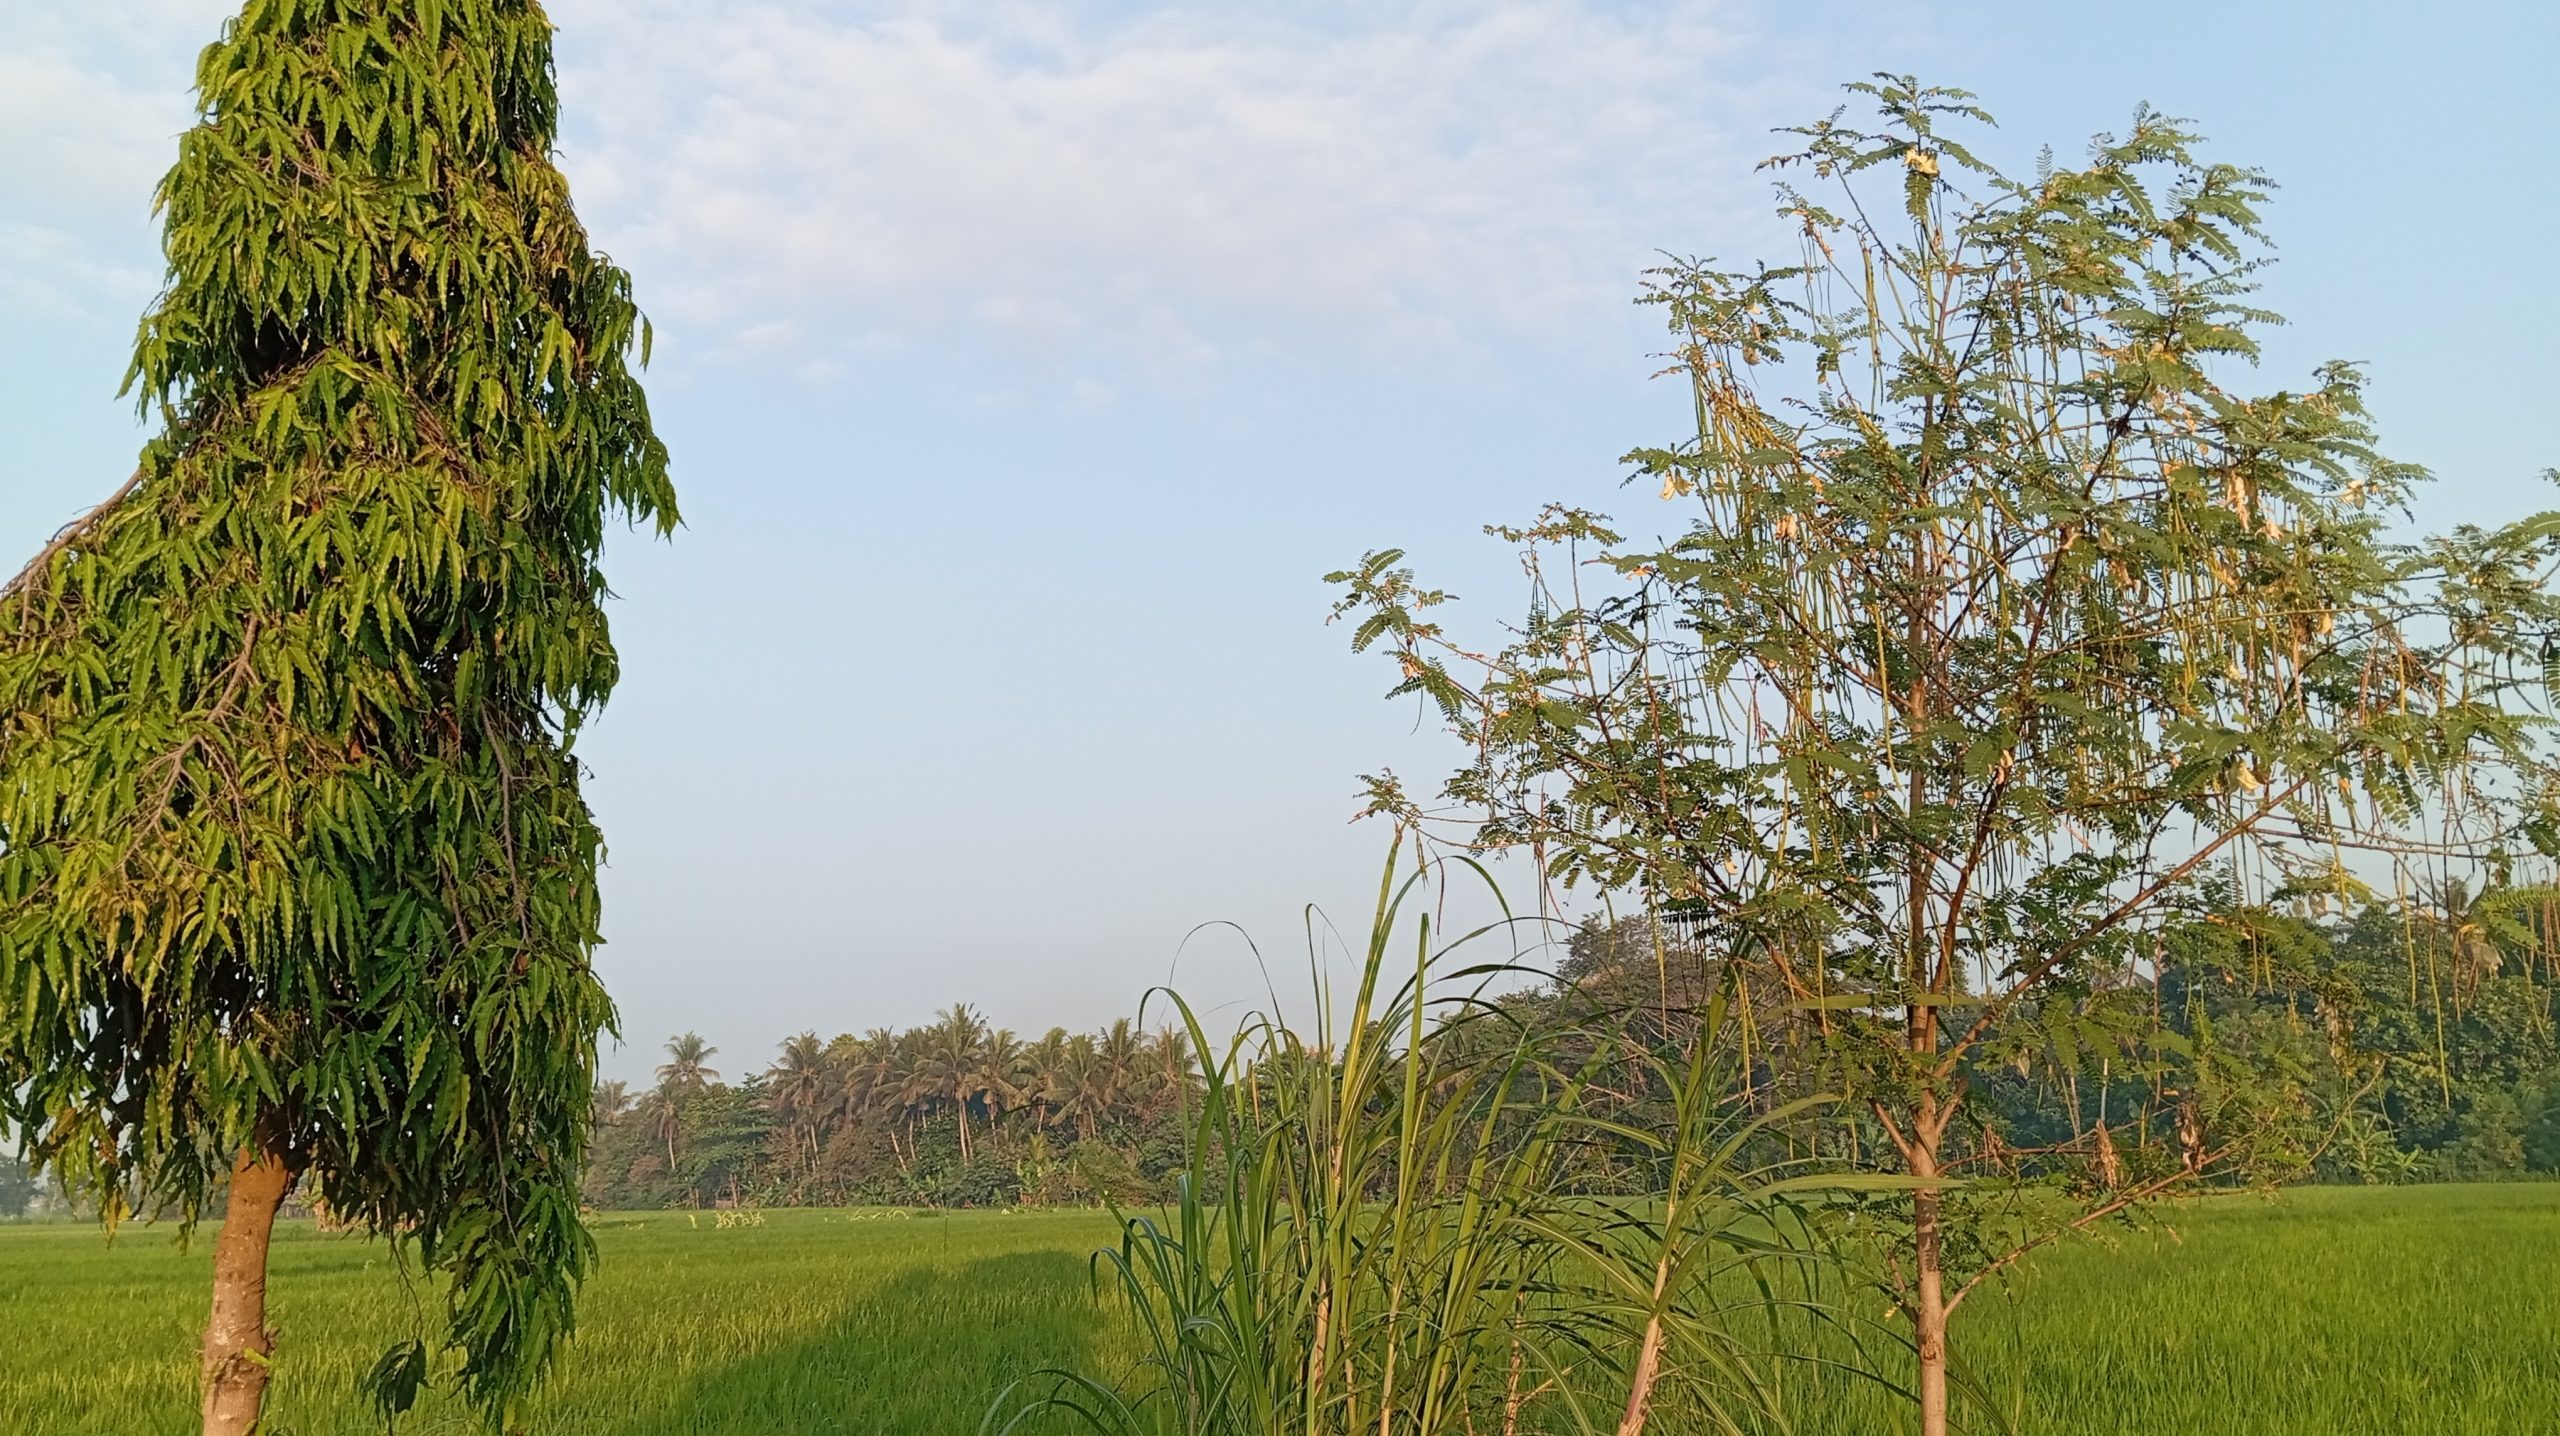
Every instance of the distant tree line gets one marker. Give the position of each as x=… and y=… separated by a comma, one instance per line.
x=954, y=1113
x=2367, y=1047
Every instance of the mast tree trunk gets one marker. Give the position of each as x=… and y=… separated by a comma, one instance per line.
x=237, y=1344
x=1930, y=1320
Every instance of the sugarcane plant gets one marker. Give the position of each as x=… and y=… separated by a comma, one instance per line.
x=1442, y=1208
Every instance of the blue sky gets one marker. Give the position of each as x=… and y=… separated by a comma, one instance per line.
x=1027, y=363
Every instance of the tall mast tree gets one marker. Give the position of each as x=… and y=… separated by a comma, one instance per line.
x=1995, y=622
x=297, y=884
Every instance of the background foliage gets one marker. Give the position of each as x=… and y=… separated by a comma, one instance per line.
x=2370, y=1047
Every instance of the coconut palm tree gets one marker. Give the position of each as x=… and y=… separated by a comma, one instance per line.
x=908, y=1093
x=611, y=1103
x=687, y=1071
x=867, y=1076
x=797, y=1089
x=1041, y=1062
x=1001, y=1079
x=685, y=1074
x=1081, y=1091
x=947, y=1067
x=1122, y=1053
x=1171, y=1074
x=666, y=1115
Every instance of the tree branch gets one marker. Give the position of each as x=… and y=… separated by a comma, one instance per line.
x=1994, y=1006
x=70, y=534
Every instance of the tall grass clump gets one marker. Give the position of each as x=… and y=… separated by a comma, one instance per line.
x=1448, y=1213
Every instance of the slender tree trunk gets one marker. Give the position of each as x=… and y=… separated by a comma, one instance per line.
x=1930, y=1321
x=237, y=1343
x=1930, y=973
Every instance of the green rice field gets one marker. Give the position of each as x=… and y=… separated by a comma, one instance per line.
x=2429, y=1310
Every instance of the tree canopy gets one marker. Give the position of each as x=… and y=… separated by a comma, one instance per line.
x=293, y=855
x=1998, y=620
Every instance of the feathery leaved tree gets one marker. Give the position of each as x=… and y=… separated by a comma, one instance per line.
x=1998, y=621
x=296, y=880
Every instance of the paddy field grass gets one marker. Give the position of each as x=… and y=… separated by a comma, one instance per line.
x=2432, y=1311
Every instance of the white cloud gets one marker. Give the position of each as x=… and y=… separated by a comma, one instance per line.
x=92, y=98
x=77, y=139
x=51, y=274
x=1409, y=181
x=1086, y=194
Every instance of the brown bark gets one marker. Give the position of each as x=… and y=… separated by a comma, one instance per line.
x=1930, y=1319
x=1929, y=1121
x=238, y=1345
